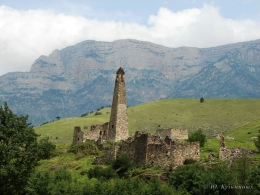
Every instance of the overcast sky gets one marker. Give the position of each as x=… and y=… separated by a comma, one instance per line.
x=30, y=28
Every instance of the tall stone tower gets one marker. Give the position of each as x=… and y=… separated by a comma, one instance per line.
x=118, y=125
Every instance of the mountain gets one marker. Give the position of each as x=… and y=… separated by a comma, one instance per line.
x=80, y=78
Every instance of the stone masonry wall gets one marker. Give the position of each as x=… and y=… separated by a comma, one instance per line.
x=159, y=154
x=178, y=134
x=96, y=131
x=147, y=149
x=184, y=151
x=230, y=153
x=78, y=136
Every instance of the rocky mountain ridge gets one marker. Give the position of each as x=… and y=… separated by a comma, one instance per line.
x=80, y=78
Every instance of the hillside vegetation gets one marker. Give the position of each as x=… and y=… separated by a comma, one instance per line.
x=213, y=116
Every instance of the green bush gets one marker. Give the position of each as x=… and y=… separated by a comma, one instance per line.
x=189, y=161
x=197, y=179
x=189, y=178
x=45, y=148
x=197, y=136
x=122, y=164
x=254, y=180
x=59, y=182
x=100, y=172
x=98, y=113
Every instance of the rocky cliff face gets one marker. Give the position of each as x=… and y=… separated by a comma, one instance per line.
x=80, y=78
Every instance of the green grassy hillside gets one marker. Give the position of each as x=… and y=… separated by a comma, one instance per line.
x=213, y=116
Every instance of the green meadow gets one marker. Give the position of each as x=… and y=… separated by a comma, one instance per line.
x=237, y=118
x=233, y=117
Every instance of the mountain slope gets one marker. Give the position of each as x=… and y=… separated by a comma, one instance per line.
x=80, y=78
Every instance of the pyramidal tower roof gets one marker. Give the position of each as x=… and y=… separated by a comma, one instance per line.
x=120, y=71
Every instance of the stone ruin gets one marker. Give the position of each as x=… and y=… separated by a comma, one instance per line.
x=146, y=149
x=161, y=150
x=117, y=128
x=231, y=153
x=174, y=134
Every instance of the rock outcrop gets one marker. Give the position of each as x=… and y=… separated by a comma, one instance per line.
x=80, y=78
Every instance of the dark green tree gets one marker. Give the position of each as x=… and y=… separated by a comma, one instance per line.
x=190, y=178
x=254, y=180
x=201, y=100
x=122, y=164
x=18, y=151
x=45, y=148
x=197, y=136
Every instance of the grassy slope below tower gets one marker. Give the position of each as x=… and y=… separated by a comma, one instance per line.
x=213, y=116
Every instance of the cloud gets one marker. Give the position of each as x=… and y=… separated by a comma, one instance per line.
x=25, y=35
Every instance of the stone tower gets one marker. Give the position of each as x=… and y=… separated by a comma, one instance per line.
x=118, y=125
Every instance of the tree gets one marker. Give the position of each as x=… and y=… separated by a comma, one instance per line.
x=190, y=178
x=201, y=100
x=45, y=148
x=18, y=151
x=254, y=180
x=197, y=136
x=122, y=164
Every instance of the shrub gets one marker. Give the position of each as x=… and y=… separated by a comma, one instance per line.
x=254, y=180
x=45, y=148
x=122, y=164
x=100, y=172
x=197, y=136
x=189, y=161
x=189, y=177
x=98, y=113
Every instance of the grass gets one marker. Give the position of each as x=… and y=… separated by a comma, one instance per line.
x=78, y=164
x=213, y=116
x=61, y=131
x=241, y=139
x=232, y=117
x=245, y=132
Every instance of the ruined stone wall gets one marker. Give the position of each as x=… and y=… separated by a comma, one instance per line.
x=110, y=155
x=166, y=153
x=135, y=147
x=96, y=131
x=146, y=149
x=184, y=151
x=118, y=128
x=78, y=136
x=128, y=147
x=178, y=134
x=159, y=154
x=230, y=153
x=140, y=148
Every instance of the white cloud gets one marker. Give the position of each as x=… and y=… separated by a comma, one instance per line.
x=25, y=35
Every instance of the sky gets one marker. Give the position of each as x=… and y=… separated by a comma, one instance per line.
x=31, y=28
